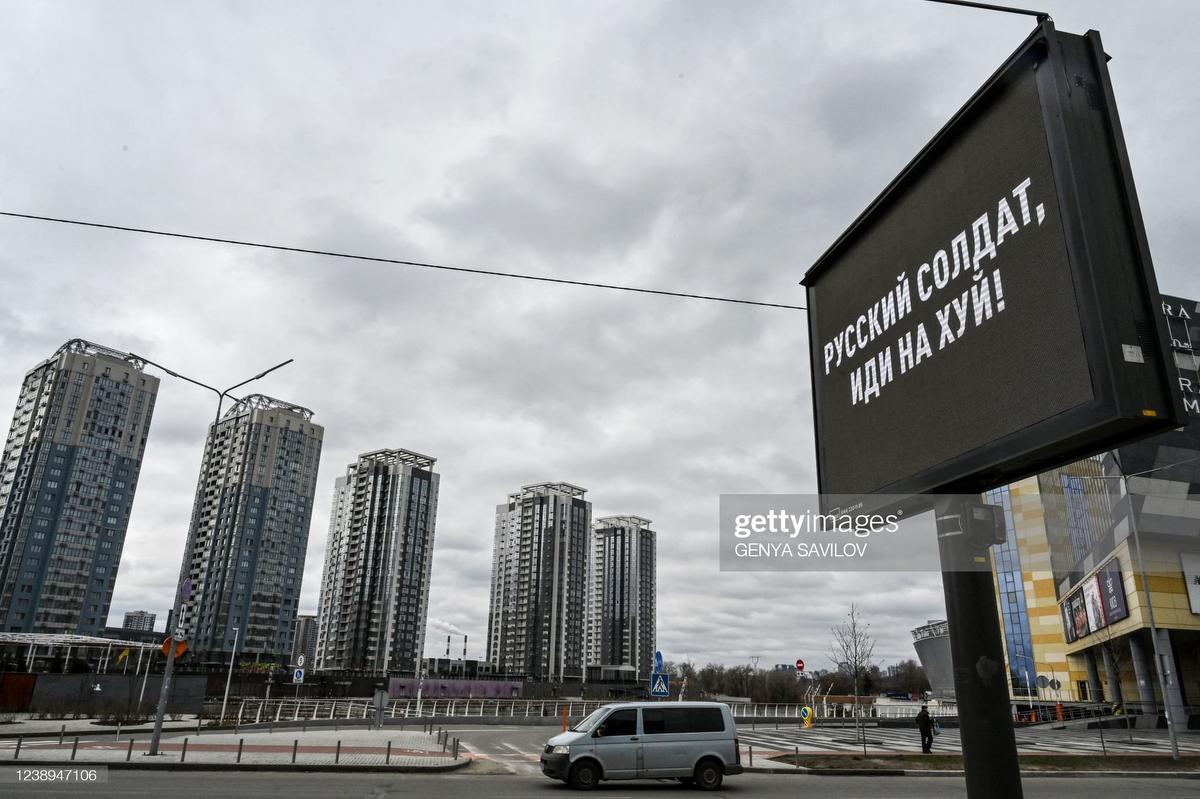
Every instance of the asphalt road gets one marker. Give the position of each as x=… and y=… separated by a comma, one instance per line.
x=225, y=785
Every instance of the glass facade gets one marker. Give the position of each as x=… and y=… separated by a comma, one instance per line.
x=1014, y=614
x=68, y=474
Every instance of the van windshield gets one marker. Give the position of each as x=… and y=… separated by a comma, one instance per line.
x=589, y=721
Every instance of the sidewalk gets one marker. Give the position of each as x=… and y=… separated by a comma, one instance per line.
x=323, y=749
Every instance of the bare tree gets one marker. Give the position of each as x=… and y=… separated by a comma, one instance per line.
x=1118, y=652
x=853, y=646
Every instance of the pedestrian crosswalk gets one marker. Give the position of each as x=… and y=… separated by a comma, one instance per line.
x=834, y=740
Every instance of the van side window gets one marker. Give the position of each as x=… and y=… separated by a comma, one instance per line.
x=680, y=720
x=619, y=722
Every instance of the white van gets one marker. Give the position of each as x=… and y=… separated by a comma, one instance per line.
x=694, y=742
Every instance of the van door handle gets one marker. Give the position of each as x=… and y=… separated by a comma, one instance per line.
x=634, y=738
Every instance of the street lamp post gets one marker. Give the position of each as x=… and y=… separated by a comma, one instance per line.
x=184, y=589
x=229, y=676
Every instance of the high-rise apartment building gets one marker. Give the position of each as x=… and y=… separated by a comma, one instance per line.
x=539, y=582
x=246, y=544
x=68, y=473
x=375, y=587
x=621, y=602
x=305, y=641
x=139, y=620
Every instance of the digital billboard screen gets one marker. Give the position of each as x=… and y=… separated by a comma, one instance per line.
x=994, y=312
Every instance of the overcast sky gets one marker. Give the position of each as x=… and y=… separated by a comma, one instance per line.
x=714, y=147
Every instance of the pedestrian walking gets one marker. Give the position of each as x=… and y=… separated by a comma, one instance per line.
x=925, y=725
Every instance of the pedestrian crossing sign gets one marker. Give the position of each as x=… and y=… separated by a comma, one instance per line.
x=659, y=684
x=298, y=676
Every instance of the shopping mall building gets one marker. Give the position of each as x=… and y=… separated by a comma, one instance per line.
x=1100, y=576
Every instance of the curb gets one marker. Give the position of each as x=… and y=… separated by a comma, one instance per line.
x=299, y=767
x=98, y=731
x=887, y=772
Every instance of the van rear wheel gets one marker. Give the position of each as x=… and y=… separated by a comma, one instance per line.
x=708, y=775
x=584, y=776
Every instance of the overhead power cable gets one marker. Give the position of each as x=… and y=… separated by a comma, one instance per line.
x=398, y=261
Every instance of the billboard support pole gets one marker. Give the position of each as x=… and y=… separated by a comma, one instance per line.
x=985, y=722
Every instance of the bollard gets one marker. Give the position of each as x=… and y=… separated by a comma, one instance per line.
x=295, y=746
x=118, y=732
x=61, y=732
x=337, y=755
x=17, y=752
x=197, y=725
x=239, y=755
x=74, y=747
x=129, y=751
x=183, y=754
x=387, y=759
x=751, y=748
x=444, y=743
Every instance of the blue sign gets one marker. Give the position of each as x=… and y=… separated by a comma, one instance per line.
x=298, y=676
x=658, y=661
x=660, y=684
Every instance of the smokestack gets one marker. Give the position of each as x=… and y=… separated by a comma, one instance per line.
x=447, y=646
x=464, y=646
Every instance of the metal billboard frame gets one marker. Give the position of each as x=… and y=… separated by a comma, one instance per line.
x=1065, y=65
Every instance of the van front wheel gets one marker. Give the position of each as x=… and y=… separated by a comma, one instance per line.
x=584, y=776
x=708, y=775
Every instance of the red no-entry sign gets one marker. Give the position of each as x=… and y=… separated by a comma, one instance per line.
x=799, y=664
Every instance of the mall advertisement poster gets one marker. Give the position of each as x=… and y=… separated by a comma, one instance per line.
x=1112, y=591
x=1079, y=620
x=1190, y=561
x=1093, y=603
x=1068, y=627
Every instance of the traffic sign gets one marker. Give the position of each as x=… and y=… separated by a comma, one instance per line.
x=300, y=661
x=658, y=661
x=1043, y=681
x=180, y=647
x=799, y=664
x=660, y=684
x=298, y=676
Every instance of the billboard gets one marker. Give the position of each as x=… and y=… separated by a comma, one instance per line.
x=993, y=313
x=1068, y=625
x=1093, y=603
x=1079, y=616
x=1098, y=602
x=1112, y=592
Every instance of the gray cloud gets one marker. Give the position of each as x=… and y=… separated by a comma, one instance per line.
x=699, y=146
